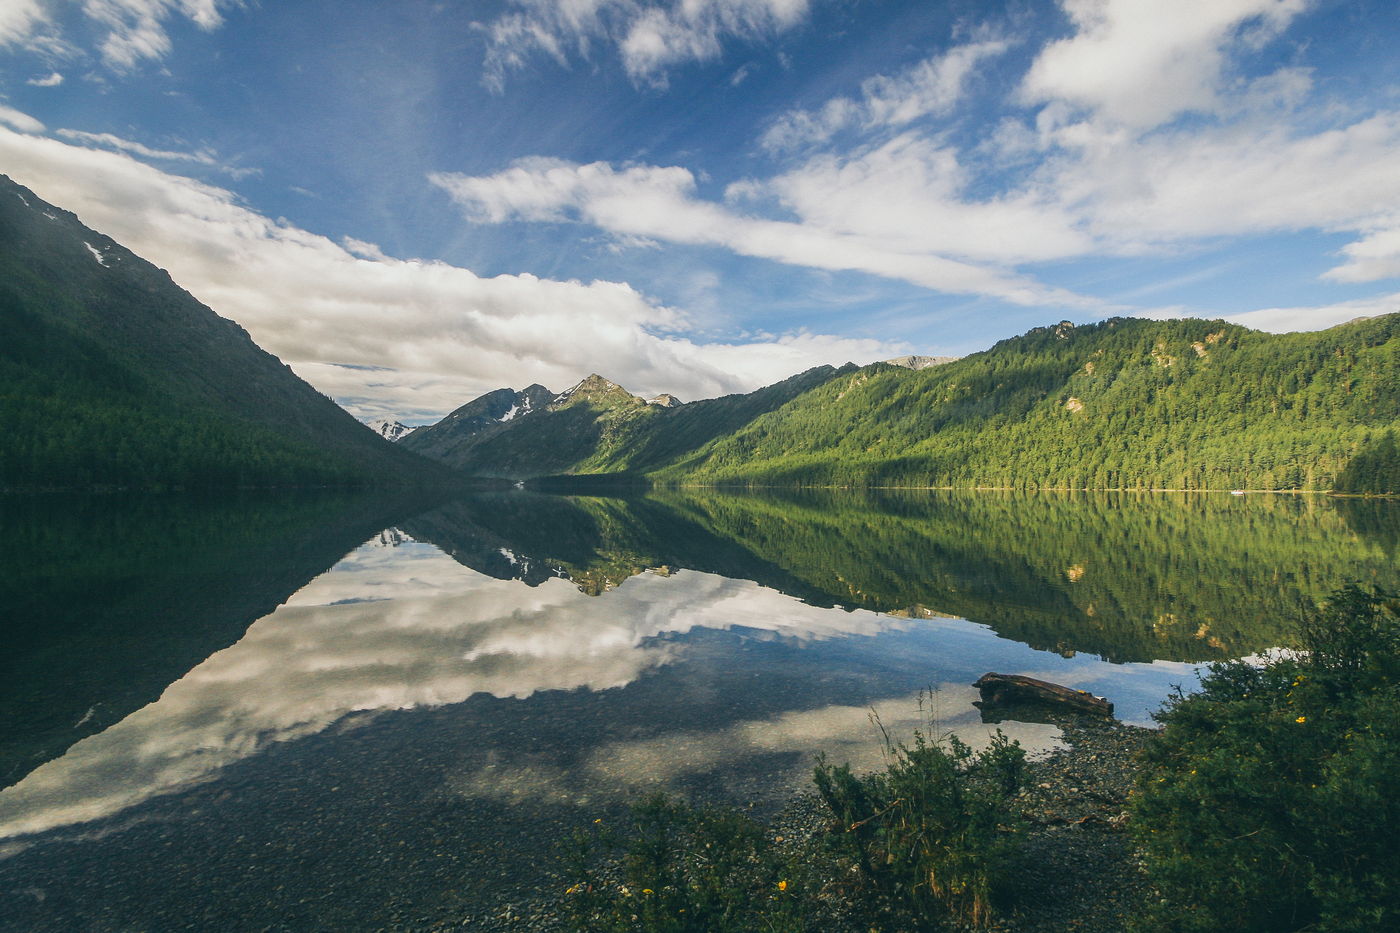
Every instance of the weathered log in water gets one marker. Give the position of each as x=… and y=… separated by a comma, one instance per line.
x=1000, y=690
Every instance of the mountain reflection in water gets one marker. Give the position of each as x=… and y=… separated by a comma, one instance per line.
x=404, y=626
x=205, y=725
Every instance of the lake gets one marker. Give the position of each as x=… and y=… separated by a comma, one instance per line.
x=347, y=712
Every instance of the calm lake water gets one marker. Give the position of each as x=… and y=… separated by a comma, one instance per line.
x=335, y=712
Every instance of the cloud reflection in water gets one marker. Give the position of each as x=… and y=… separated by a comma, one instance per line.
x=396, y=628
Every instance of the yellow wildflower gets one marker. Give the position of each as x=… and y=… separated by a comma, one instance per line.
x=1301, y=719
x=782, y=885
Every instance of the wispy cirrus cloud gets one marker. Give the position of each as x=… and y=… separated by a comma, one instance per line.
x=206, y=157
x=930, y=87
x=127, y=31
x=53, y=79
x=650, y=37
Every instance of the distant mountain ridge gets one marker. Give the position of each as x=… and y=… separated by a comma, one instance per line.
x=1124, y=404
x=594, y=427
x=111, y=374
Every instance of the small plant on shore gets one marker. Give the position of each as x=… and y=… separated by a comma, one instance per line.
x=934, y=831
x=682, y=869
x=1270, y=801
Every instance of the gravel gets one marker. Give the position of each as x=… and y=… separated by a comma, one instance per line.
x=1079, y=873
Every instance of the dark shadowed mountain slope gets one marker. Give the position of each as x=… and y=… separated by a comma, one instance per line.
x=111, y=374
x=451, y=437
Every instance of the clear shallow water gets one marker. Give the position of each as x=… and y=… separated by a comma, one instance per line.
x=402, y=739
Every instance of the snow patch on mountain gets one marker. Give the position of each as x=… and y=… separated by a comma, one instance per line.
x=389, y=430
x=96, y=253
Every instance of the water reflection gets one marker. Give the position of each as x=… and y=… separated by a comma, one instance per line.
x=1129, y=577
x=106, y=600
x=399, y=625
x=828, y=603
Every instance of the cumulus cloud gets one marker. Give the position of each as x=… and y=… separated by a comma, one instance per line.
x=928, y=88
x=1143, y=62
x=53, y=79
x=660, y=202
x=408, y=338
x=649, y=37
x=1241, y=178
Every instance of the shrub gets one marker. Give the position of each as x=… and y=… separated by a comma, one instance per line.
x=685, y=870
x=933, y=830
x=1271, y=798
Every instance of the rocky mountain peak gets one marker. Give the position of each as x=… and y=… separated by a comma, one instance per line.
x=597, y=391
x=920, y=362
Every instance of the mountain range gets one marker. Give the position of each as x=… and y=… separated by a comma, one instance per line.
x=113, y=375
x=1126, y=403
x=596, y=428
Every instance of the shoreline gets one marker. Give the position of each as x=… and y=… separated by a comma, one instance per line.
x=1079, y=870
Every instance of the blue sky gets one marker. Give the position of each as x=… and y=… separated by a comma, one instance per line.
x=412, y=203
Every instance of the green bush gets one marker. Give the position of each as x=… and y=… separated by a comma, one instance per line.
x=1271, y=799
x=934, y=830
x=682, y=869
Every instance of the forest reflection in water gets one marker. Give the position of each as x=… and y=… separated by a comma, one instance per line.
x=1127, y=576
x=518, y=654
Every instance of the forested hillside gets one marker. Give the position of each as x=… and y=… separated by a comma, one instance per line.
x=1127, y=403
x=112, y=375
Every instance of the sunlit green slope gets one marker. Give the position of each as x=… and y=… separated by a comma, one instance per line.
x=1128, y=403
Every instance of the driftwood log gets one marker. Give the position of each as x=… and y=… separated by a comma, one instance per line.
x=1015, y=690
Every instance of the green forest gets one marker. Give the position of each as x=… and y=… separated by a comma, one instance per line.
x=1124, y=404
x=111, y=375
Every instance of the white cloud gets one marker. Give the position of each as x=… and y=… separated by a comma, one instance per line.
x=930, y=88
x=131, y=30
x=110, y=141
x=1245, y=178
x=660, y=203
x=1102, y=167
x=650, y=37
x=23, y=122
x=1142, y=62
x=53, y=79
x=20, y=19
x=1374, y=256
x=909, y=194
x=1284, y=320
x=411, y=339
